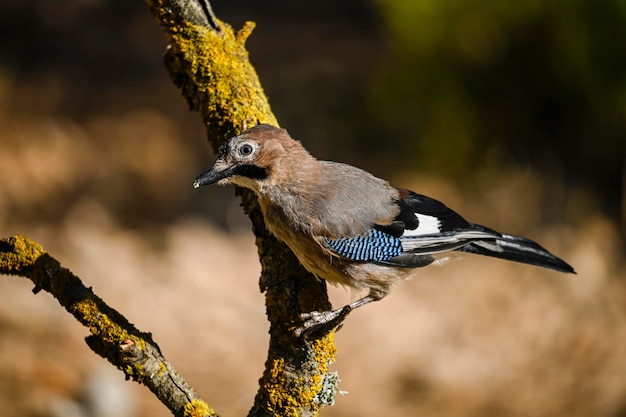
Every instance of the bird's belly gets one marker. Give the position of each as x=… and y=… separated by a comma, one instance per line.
x=313, y=257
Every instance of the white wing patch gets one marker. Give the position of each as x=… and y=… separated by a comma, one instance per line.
x=428, y=225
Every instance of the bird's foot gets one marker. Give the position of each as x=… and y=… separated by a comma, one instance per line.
x=318, y=320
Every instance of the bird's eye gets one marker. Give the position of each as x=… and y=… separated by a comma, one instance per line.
x=246, y=150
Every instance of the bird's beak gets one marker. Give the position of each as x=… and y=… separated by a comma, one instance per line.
x=213, y=175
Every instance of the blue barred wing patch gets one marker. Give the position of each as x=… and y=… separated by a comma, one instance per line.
x=375, y=246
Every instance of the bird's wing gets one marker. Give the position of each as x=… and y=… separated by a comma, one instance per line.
x=429, y=226
x=426, y=227
x=423, y=227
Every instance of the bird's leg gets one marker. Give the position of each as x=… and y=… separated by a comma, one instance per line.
x=316, y=319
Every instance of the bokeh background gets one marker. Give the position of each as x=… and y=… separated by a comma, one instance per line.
x=513, y=113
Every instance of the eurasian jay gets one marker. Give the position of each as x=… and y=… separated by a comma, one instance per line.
x=349, y=227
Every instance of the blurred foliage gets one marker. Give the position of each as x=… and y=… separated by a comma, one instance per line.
x=474, y=84
x=452, y=89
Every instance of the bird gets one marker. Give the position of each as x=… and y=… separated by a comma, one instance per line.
x=350, y=227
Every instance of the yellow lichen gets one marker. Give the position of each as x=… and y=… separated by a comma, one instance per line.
x=19, y=252
x=324, y=350
x=139, y=342
x=22, y=256
x=288, y=395
x=162, y=369
x=198, y=408
x=245, y=32
x=135, y=371
x=277, y=368
x=225, y=84
x=282, y=400
x=99, y=323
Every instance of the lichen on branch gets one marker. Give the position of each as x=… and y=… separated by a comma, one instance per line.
x=212, y=69
x=112, y=336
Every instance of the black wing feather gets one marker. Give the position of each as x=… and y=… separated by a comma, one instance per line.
x=519, y=249
x=418, y=203
x=456, y=233
x=411, y=203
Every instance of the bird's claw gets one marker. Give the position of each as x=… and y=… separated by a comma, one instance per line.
x=316, y=320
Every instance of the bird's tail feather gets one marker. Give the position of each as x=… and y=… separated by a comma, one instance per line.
x=518, y=249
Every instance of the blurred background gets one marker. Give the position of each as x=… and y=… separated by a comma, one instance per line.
x=513, y=113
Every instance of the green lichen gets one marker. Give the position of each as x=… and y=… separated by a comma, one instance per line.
x=329, y=390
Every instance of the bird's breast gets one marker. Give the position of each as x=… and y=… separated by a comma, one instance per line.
x=319, y=261
x=312, y=255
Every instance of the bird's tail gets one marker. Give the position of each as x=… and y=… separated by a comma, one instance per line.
x=517, y=249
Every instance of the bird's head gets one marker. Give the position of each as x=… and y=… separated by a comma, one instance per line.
x=253, y=159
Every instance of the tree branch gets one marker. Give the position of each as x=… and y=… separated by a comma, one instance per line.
x=112, y=336
x=212, y=69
